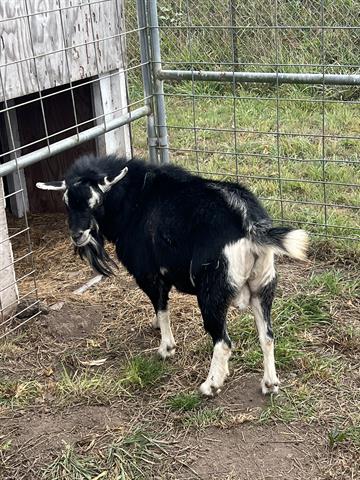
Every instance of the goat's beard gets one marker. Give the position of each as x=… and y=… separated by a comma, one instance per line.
x=95, y=253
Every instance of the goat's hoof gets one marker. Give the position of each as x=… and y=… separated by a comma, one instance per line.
x=208, y=389
x=268, y=386
x=166, y=351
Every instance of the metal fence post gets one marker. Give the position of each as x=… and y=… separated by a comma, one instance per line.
x=147, y=78
x=158, y=84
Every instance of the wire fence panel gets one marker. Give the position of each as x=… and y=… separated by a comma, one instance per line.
x=262, y=92
x=267, y=93
x=67, y=87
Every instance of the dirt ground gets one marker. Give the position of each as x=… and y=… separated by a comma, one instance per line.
x=83, y=396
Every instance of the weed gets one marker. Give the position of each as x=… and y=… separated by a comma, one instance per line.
x=340, y=436
x=345, y=338
x=334, y=283
x=289, y=405
x=127, y=458
x=292, y=318
x=185, y=401
x=19, y=393
x=9, y=349
x=143, y=371
x=71, y=466
x=203, y=418
x=89, y=387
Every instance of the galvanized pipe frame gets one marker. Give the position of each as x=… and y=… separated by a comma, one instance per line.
x=70, y=142
x=259, y=77
x=158, y=88
x=146, y=70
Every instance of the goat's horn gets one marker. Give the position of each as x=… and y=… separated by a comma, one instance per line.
x=57, y=185
x=107, y=184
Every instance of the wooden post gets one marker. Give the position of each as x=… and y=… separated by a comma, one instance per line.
x=8, y=287
x=19, y=203
x=109, y=93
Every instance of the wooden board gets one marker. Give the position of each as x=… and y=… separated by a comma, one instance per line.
x=46, y=35
x=59, y=116
x=8, y=289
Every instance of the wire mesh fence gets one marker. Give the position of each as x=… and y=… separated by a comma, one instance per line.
x=262, y=92
x=64, y=77
x=283, y=114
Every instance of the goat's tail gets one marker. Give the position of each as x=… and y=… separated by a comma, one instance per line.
x=282, y=240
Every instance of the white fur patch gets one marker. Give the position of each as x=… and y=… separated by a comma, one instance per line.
x=240, y=261
x=167, y=345
x=191, y=275
x=263, y=271
x=95, y=198
x=296, y=244
x=233, y=200
x=85, y=239
x=219, y=369
x=66, y=197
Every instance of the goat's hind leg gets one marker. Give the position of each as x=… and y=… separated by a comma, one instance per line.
x=263, y=285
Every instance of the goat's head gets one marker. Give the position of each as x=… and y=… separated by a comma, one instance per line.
x=84, y=199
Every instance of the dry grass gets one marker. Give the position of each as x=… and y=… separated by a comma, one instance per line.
x=316, y=315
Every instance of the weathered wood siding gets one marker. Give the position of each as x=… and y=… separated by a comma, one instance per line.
x=32, y=50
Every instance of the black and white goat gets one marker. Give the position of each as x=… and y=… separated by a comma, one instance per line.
x=208, y=238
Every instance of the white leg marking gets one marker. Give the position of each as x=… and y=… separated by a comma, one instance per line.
x=270, y=382
x=167, y=345
x=219, y=369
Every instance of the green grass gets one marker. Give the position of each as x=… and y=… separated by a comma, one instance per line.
x=203, y=418
x=339, y=436
x=126, y=458
x=144, y=371
x=19, y=393
x=71, y=466
x=86, y=386
x=291, y=404
x=333, y=282
x=185, y=401
x=253, y=151
x=293, y=318
x=104, y=386
x=255, y=155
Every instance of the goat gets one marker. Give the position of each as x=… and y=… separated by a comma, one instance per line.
x=212, y=239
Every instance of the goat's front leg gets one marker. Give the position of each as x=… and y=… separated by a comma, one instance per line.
x=158, y=292
x=167, y=344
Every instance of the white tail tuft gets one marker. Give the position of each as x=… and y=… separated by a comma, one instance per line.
x=296, y=244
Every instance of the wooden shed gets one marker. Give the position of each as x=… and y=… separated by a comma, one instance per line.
x=61, y=65
x=62, y=68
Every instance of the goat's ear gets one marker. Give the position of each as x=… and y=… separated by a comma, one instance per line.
x=106, y=184
x=59, y=185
